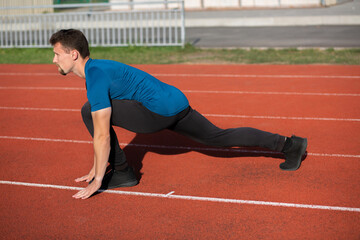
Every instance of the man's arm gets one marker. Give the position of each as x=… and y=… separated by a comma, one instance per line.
x=101, y=121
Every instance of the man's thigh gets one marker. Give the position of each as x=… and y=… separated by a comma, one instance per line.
x=133, y=116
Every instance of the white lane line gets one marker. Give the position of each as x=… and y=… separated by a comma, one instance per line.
x=205, y=114
x=45, y=139
x=203, y=75
x=170, y=193
x=192, y=198
x=252, y=76
x=41, y=109
x=28, y=74
x=198, y=91
x=234, y=150
x=284, y=118
x=274, y=93
x=44, y=88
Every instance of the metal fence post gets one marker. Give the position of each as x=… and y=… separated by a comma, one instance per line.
x=182, y=23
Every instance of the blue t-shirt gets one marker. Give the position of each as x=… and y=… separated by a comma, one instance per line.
x=107, y=80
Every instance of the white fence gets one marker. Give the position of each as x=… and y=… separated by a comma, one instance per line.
x=151, y=27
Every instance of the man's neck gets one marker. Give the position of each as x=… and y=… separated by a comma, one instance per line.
x=79, y=68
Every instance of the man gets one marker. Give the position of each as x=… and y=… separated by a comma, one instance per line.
x=120, y=95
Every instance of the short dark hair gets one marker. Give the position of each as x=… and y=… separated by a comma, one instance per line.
x=71, y=39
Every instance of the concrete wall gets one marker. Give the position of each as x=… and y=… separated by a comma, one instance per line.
x=202, y=4
x=221, y=4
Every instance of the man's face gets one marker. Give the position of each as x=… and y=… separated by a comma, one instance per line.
x=63, y=59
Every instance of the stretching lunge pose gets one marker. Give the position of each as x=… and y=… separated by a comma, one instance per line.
x=123, y=96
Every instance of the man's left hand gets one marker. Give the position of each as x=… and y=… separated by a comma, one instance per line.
x=89, y=190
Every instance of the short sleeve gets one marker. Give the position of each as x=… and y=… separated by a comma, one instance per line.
x=98, y=93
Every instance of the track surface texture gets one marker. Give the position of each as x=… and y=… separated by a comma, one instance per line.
x=187, y=190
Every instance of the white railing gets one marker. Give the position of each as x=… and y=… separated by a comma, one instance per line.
x=140, y=27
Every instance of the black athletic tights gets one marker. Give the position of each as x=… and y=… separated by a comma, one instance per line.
x=133, y=116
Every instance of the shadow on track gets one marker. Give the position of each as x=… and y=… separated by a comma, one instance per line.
x=170, y=143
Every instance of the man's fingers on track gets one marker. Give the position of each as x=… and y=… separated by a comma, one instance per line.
x=79, y=194
x=86, y=196
x=80, y=179
x=87, y=192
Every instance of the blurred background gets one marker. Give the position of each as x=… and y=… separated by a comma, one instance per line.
x=202, y=23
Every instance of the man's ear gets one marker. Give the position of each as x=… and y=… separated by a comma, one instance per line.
x=74, y=55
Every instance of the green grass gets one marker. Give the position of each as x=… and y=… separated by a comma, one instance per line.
x=192, y=55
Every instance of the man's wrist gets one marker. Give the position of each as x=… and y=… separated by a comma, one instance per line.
x=98, y=179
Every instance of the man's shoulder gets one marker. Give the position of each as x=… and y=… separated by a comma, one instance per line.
x=104, y=63
x=96, y=66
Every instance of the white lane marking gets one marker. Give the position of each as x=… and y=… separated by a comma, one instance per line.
x=235, y=150
x=45, y=139
x=205, y=114
x=170, y=193
x=198, y=91
x=274, y=93
x=251, y=76
x=202, y=75
x=41, y=109
x=44, y=88
x=192, y=198
x=284, y=118
x=28, y=74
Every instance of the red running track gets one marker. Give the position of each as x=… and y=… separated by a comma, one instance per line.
x=187, y=190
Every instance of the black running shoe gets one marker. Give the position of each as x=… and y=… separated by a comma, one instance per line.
x=123, y=178
x=294, y=154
